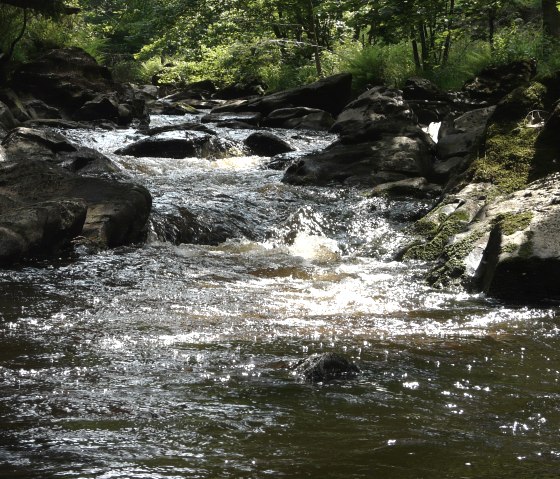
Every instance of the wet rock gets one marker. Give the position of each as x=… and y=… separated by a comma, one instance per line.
x=40, y=110
x=377, y=112
x=12, y=100
x=66, y=77
x=43, y=207
x=183, y=226
x=186, y=126
x=26, y=143
x=361, y=163
x=326, y=367
x=71, y=81
x=330, y=94
x=102, y=107
x=164, y=147
x=249, y=118
x=378, y=134
x=267, y=144
x=493, y=83
x=7, y=120
x=40, y=230
x=299, y=118
x=410, y=187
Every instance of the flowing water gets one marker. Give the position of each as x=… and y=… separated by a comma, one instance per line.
x=175, y=361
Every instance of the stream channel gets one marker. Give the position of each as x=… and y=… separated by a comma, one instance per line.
x=174, y=361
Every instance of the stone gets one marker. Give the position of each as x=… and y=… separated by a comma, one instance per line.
x=66, y=78
x=411, y=187
x=43, y=207
x=40, y=110
x=299, y=118
x=330, y=94
x=250, y=118
x=360, y=163
x=267, y=144
x=319, y=368
x=7, y=119
x=40, y=230
x=102, y=107
x=376, y=112
x=239, y=90
x=27, y=143
x=161, y=146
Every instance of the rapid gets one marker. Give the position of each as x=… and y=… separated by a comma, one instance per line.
x=167, y=360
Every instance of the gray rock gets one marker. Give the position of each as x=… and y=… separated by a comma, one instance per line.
x=164, y=147
x=378, y=111
x=250, y=118
x=361, y=163
x=410, y=187
x=264, y=143
x=330, y=94
x=43, y=207
x=299, y=118
x=7, y=119
x=326, y=367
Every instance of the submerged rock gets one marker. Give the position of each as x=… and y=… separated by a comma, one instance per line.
x=326, y=367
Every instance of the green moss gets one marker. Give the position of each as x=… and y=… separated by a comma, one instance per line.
x=454, y=265
x=430, y=251
x=512, y=222
x=425, y=227
x=509, y=152
x=508, y=157
x=510, y=248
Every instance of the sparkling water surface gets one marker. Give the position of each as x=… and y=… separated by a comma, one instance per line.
x=175, y=361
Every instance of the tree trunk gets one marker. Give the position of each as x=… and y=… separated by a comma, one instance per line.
x=315, y=39
x=447, y=45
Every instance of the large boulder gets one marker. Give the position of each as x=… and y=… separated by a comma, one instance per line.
x=364, y=164
x=24, y=144
x=507, y=248
x=43, y=207
x=429, y=103
x=378, y=111
x=66, y=77
x=7, y=120
x=192, y=144
x=379, y=138
x=161, y=146
x=71, y=81
x=330, y=94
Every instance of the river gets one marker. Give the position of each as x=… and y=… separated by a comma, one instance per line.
x=175, y=361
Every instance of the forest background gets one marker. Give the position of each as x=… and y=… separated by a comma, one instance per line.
x=284, y=43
